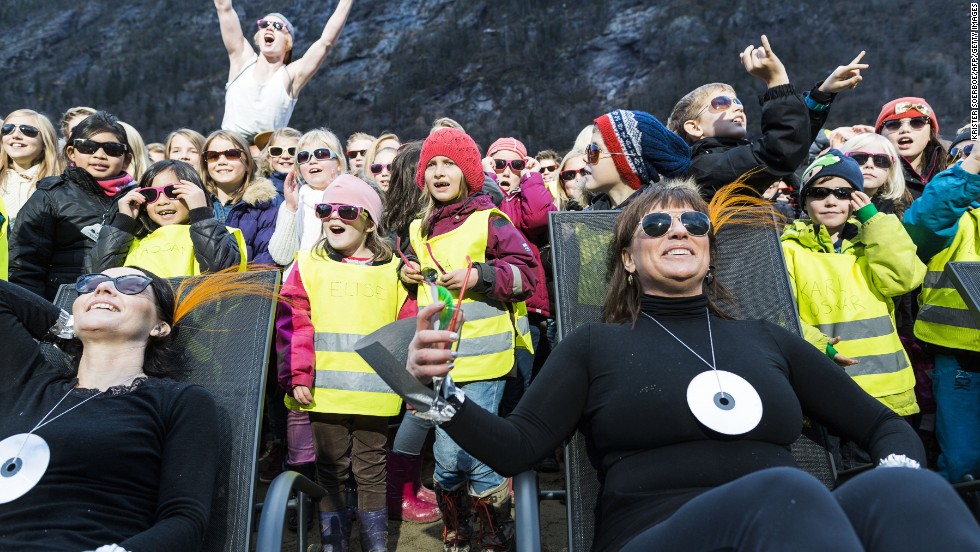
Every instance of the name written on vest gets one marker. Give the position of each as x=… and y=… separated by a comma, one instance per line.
x=341, y=288
x=828, y=296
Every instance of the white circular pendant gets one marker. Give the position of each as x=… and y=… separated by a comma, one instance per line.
x=733, y=409
x=23, y=460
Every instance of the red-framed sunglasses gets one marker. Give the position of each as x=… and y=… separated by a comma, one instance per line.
x=350, y=213
x=153, y=193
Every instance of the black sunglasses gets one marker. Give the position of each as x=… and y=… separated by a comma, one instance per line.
x=276, y=151
x=377, y=168
x=231, y=155
x=26, y=130
x=350, y=213
x=568, y=176
x=916, y=123
x=658, y=224
x=265, y=24
x=881, y=160
x=354, y=154
x=304, y=157
x=822, y=193
x=130, y=284
x=516, y=165
x=89, y=147
x=549, y=168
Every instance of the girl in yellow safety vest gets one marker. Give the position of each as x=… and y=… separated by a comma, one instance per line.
x=166, y=226
x=343, y=289
x=844, y=273
x=461, y=225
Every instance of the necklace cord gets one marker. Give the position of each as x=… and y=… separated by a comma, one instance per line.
x=711, y=341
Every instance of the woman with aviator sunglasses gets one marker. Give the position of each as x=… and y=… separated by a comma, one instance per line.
x=29, y=153
x=60, y=223
x=167, y=226
x=712, y=121
x=239, y=198
x=262, y=87
x=318, y=163
x=846, y=263
x=910, y=124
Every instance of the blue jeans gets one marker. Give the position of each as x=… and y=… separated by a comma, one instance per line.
x=957, y=395
x=454, y=466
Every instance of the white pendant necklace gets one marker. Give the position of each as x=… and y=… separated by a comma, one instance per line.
x=722, y=401
x=24, y=457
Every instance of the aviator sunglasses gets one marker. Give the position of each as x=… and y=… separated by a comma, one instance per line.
x=881, y=160
x=915, y=123
x=153, y=193
x=304, y=157
x=130, y=284
x=26, y=130
x=719, y=104
x=569, y=175
x=89, y=147
x=276, y=151
x=592, y=153
x=231, y=155
x=658, y=224
x=822, y=193
x=516, y=165
x=349, y=213
x=266, y=23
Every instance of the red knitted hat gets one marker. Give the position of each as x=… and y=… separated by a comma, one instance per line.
x=903, y=108
x=613, y=144
x=458, y=146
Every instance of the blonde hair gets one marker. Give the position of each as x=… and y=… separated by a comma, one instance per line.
x=380, y=248
x=372, y=151
x=321, y=137
x=688, y=107
x=563, y=198
x=191, y=135
x=264, y=166
x=239, y=143
x=583, y=139
x=141, y=158
x=73, y=112
x=49, y=161
x=358, y=136
x=445, y=122
x=894, y=186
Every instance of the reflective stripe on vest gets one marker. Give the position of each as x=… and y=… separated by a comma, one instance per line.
x=943, y=316
x=859, y=329
x=168, y=251
x=487, y=338
x=878, y=364
x=347, y=302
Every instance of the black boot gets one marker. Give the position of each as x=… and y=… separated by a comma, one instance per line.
x=492, y=522
x=455, y=506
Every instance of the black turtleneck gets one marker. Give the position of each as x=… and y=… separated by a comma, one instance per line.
x=625, y=388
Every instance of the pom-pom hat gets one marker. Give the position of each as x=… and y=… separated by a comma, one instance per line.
x=833, y=163
x=347, y=189
x=643, y=147
x=458, y=146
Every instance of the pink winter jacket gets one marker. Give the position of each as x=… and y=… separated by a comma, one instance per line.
x=528, y=206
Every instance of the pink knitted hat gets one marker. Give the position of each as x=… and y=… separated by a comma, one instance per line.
x=509, y=144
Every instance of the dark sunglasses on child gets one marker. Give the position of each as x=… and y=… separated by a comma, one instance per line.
x=377, y=168
x=276, y=151
x=916, y=123
x=89, y=147
x=130, y=284
x=881, y=160
x=265, y=23
x=516, y=165
x=568, y=176
x=963, y=152
x=720, y=104
x=231, y=155
x=592, y=153
x=549, y=168
x=354, y=154
x=26, y=130
x=658, y=224
x=350, y=213
x=822, y=193
x=153, y=193
x=304, y=157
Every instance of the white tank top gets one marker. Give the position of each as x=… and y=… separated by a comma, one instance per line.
x=251, y=107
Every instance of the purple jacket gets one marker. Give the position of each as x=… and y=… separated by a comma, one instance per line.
x=506, y=249
x=528, y=206
x=255, y=216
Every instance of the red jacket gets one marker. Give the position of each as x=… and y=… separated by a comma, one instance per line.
x=528, y=206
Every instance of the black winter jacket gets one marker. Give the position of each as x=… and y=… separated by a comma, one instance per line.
x=788, y=128
x=55, y=230
x=214, y=247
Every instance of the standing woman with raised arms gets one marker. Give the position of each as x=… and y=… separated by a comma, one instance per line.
x=262, y=87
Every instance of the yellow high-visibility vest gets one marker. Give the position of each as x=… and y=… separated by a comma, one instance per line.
x=943, y=316
x=491, y=328
x=347, y=302
x=168, y=251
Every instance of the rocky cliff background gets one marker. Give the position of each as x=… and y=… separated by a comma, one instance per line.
x=539, y=70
